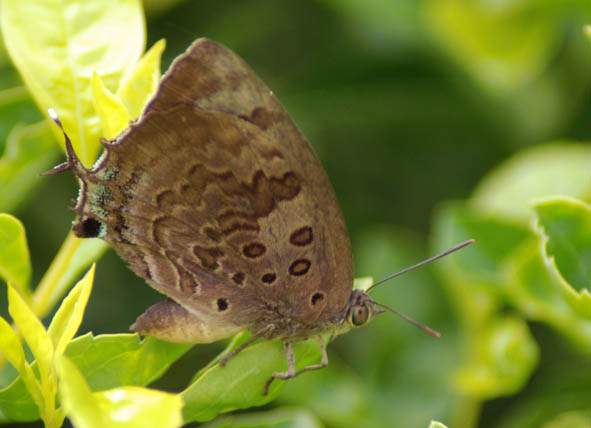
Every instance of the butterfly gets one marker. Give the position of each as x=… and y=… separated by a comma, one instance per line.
x=218, y=201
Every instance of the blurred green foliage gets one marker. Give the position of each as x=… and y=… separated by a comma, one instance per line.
x=437, y=121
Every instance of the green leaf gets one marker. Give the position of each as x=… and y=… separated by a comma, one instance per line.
x=106, y=361
x=500, y=360
x=126, y=407
x=435, y=424
x=552, y=169
x=30, y=150
x=68, y=317
x=537, y=294
x=16, y=402
x=278, y=418
x=565, y=223
x=239, y=385
x=57, y=61
x=505, y=45
x=112, y=360
x=342, y=397
x=15, y=264
x=505, y=262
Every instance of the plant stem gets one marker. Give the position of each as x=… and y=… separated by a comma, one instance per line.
x=48, y=293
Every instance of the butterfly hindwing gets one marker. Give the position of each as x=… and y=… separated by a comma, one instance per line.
x=218, y=201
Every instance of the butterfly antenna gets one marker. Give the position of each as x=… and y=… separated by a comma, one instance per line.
x=423, y=327
x=423, y=263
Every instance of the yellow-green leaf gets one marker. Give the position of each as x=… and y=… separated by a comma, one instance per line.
x=501, y=359
x=11, y=348
x=66, y=321
x=126, y=407
x=136, y=90
x=33, y=332
x=40, y=344
x=74, y=256
x=76, y=397
x=135, y=407
x=10, y=345
x=362, y=283
x=58, y=44
x=106, y=362
x=553, y=169
x=504, y=44
x=15, y=266
x=111, y=112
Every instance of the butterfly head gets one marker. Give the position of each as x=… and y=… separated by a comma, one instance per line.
x=361, y=309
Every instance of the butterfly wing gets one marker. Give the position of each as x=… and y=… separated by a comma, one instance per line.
x=218, y=201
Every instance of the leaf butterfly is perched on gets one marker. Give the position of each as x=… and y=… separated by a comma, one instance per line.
x=216, y=199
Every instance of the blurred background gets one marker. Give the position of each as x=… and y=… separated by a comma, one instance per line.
x=408, y=103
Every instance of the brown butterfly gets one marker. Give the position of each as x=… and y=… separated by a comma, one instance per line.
x=217, y=200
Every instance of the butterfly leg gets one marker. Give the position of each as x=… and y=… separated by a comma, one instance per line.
x=245, y=344
x=237, y=350
x=323, y=361
x=291, y=371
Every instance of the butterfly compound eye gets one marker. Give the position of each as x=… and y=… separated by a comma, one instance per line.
x=360, y=315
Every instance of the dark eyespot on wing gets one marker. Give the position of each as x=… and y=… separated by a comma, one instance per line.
x=222, y=304
x=300, y=267
x=269, y=278
x=254, y=250
x=238, y=278
x=301, y=237
x=317, y=298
